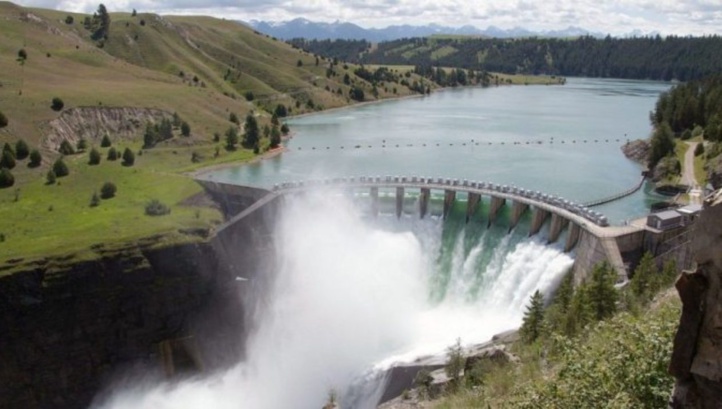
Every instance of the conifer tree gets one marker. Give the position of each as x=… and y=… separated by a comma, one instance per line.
x=531, y=327
x=602, y=294
x=21, y=149
x=251, y=133
x=35, y=158
x=105, y=142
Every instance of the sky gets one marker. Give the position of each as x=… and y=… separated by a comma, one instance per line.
x=615, y=17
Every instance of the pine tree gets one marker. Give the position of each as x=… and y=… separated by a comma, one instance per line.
x=21, y=149
x=60, y=168
x=3, y=120
x=185, y=129
x=275, y=137
x=94, y=157
x=531, y=327
x=602, y=294
x=7, y=160
x=642, y=282
x=231, y=138
x=128, y=157
x=35, y=158
x=112, y=154
x=251, y=134
x=66, y=148
x=105, y=143
x=579, y=313
x=6, y=178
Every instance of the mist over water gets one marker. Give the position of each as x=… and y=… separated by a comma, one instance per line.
x=354, y=295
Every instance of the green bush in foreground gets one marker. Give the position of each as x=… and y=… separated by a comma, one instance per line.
x=156, y=208
x=620, y=363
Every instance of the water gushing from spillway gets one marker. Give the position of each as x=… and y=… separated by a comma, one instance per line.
x=354, y=293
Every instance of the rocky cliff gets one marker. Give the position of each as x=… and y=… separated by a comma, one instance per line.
x=91, y=123
x=69, y=328
x=697, y=357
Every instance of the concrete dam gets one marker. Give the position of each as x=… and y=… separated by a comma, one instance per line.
x=588, y=232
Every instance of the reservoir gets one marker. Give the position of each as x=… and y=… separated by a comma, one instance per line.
x=535, y=137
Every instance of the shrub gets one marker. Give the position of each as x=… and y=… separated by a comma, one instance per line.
x=285, y=129
x=6, y=178
x=249, y=96
x=82, y=144
x=66, y=148
x=35, y=158
x=455, y=362
x=60, y=168
x=108, y=190
x=699, y=149
x=94, y=158
x=50, y=177
x=57, y=104
x=112, y=154
x=105, y=142
x=216, y=137
x=69, y=20
x=156, y=208
x=21, y=149
x=3, y=120
x=22, y=55
x=94, y=200
x=128, y=157
x=8, y=160
x=233, y=118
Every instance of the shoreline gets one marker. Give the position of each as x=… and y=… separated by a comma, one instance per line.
x=196, y=174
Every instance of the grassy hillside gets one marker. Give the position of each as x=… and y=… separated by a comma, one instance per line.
x=201, y=68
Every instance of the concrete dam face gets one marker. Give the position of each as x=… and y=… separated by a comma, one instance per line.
x=347, y=294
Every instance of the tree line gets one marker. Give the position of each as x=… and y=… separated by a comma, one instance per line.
x=685, y=111
x=656, y=58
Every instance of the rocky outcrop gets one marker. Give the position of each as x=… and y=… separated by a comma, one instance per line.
x=69, y=327
x=697, y=356
x=637, y=150
x=92, y=123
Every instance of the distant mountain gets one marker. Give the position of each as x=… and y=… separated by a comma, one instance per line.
x=303, y=28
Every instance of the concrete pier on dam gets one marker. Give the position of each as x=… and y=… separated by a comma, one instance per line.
x=588, y=233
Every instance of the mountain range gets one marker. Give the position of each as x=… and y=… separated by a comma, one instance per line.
x=304, y=28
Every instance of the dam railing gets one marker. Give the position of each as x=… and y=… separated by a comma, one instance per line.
x=576, y=212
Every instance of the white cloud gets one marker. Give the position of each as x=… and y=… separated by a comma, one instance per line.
x=682, y=17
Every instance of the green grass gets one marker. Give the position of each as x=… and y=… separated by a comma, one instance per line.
x=50, y=220
x=138, y=66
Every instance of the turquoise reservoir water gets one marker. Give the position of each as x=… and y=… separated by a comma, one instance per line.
x=490, y=134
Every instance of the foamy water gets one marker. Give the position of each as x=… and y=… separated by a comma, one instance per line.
x=351, y=297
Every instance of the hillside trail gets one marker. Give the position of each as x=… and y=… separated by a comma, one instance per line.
x=688, y=178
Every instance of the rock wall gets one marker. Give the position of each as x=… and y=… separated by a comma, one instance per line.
x=92, y=123
x=68, y=329
x=697, y=356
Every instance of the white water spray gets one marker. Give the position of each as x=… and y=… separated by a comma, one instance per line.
x=350, y=296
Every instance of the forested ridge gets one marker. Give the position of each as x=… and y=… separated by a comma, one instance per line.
x=655, y=58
